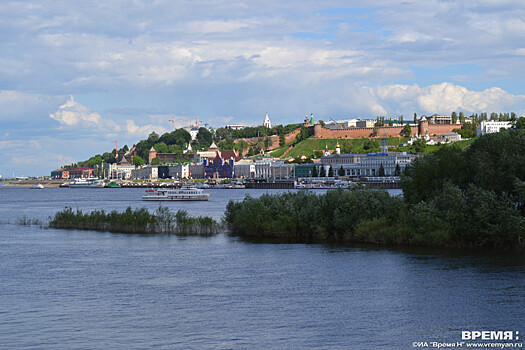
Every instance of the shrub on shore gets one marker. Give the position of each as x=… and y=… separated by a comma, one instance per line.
x=475, y=217
x=138, y=220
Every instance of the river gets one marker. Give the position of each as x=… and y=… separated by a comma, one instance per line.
x=68, y=289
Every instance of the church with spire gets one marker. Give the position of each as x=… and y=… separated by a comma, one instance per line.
x=267, y=122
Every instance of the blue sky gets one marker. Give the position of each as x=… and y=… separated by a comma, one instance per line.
x=75, y=76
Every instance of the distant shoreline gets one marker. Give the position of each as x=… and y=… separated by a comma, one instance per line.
x=29, y=183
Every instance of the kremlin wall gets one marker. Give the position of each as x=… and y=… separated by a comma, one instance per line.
x=424, y=128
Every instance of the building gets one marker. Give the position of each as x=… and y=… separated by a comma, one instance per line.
x=365, y=123
x=492, y=126
x=120, y=170
x=193, y=131
x=452, y=137
x=280, y=170
x=153, y=136
x=145, y=173
x=264, y=168
x=245, y=169
x=164, y=157
x=80, y=172
x=356, y=165
x=441, y=119
x=266, y=122
x=234, y=126
x=222, y=166
x=61, y=173
x=304, y=170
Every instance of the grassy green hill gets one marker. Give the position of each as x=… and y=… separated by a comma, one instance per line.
x=309, y=146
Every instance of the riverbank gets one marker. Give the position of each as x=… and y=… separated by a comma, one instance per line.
x=31, y=182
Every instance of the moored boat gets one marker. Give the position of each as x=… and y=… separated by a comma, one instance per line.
x=186, y=193
x=112, y=184
x=86, y=182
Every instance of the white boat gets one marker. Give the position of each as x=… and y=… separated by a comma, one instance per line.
x=186, y=193
x=36, y=187
x=86, y=182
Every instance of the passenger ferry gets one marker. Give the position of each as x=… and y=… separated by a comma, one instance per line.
x=186, y=193
x=86, y=182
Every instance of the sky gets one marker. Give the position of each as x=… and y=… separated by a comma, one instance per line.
x=76, y=76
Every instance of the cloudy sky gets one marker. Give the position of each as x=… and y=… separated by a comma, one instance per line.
x=77, y=75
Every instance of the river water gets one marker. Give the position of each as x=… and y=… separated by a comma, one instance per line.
x=68, y=289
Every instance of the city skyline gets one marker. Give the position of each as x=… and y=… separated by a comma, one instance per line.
x=76, y=76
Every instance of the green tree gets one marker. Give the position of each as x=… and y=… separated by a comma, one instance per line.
x=347, y=147
x=322, y=172
x=138, y=161
x=241, y=146
x=330, y=172
x=282, y=140
x=415, y=118
x=204, y=138
x=461, y=118
x=407, y=130
x=454, y=116
x=341, y=171
x=267, y=142
x=420, y=145
x=520, y=123
x=161, y=147
x=381, y=170
x=314, y=172
x=156, y=161
x=397, y=171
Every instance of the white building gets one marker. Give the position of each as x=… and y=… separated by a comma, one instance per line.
x=193, y=130
x=267, y=121
x=492, y=126
x=367, y=164
x=187, y=171
x=235, y=126
x=263, y=169
x=145, y=173
x=121, y=170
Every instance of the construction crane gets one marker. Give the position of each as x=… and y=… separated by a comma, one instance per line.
x=337, y=123
x=172, y=120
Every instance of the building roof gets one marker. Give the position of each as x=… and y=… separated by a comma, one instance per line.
x=83, y=168
x=213, y=146
x=228, y=155
x=152, y=149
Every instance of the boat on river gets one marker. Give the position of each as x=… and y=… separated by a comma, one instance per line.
x=185, y=193
x=86, y=182
x=36, y=187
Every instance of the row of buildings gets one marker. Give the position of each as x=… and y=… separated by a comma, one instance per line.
x=226, y=164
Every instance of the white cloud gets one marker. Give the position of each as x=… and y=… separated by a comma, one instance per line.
x=444, y=98
x=72, y=113
x=141, y=131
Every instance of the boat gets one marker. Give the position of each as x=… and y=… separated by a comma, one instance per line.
x=185, y=193
x=36, y=187
x=112, y=184
x=86, y=182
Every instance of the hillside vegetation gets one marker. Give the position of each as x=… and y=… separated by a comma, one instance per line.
x=309, y=146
